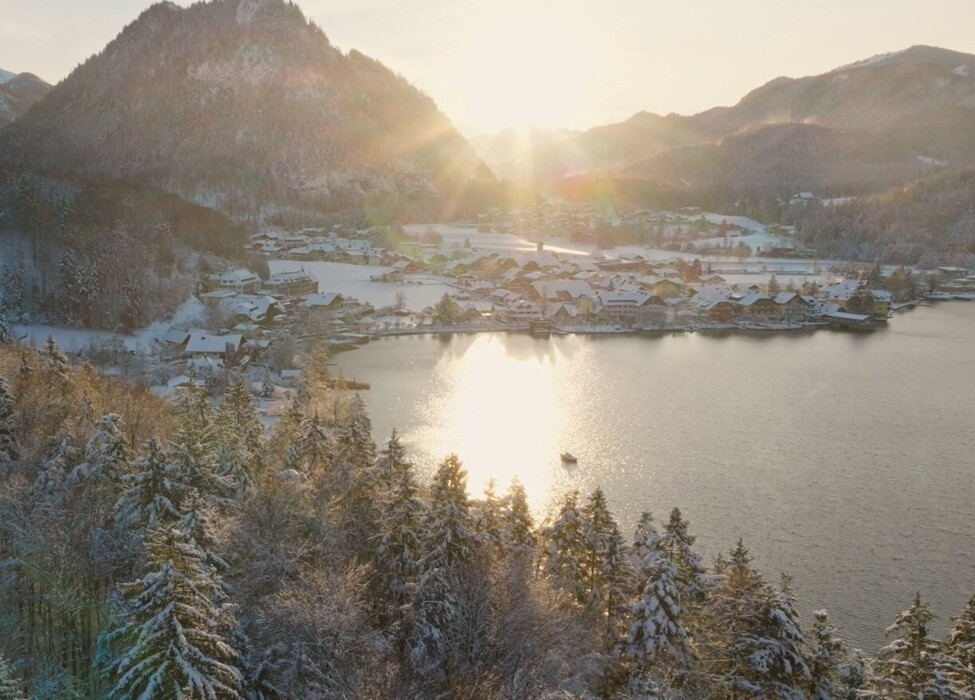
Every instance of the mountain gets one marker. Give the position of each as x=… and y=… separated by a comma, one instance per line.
x=246, y=106
x=499, y=149
x=859, y=128
x=17, y=93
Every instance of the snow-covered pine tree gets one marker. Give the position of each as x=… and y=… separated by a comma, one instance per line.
x=354, y=477
x=314, y=451
x=398, y=534
x=828, y=653
x=646, y=549
x=598, y=528
x=108, y=458
x=193, y=448
x=518, y=526
x=618, y=577
x=451, y=538
x=267, y=385
x=487, y=515
x=566, y=550
x=240, y=447
x=678, y=543
x=780, y=650
x=196, y=526
x=55, y=362
x=10, y=687
x=912, y=665
x=960, y=649
x=152, y=493
x=168, y=629
x=8, y=439
x=657, y=636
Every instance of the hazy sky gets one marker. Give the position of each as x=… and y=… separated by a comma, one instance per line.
x=573, y=63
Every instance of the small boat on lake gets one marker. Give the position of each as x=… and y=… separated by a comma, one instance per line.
x=568, y=458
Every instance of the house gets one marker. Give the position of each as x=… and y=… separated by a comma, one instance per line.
x=296, y=283
x=212, y=300
x=250, y=308
x=665, y=288
x=523, y=311
x=757, y=304
x=626, y=307
x=328, y=302
x=562, y=290
x=203, y=344
x=237, y=280
x=794, y=306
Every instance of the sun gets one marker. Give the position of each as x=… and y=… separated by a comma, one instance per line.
x=525, y=69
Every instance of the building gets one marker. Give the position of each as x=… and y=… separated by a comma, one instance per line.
x=291, y=284
x=236, y=280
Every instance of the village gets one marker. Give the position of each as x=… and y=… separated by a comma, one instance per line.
x=342, y=287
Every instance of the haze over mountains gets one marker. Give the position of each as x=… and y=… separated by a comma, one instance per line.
x=881, y=121
x=17, y=93
x=246, y=106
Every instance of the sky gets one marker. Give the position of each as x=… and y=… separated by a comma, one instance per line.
x=552, y=63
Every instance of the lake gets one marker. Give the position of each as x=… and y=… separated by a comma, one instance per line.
x=846, y=459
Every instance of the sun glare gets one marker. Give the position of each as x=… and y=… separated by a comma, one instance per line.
x=530, y=69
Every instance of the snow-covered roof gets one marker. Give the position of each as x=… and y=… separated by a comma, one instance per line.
x=556, y=288
x=215, y=344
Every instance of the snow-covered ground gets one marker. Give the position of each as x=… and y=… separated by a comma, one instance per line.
x=455, y=236
x=75, y=340
x=354, y=281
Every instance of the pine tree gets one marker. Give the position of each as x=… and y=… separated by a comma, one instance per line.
x=194, y=446
x=196, y=526
x=10, y=687
x=518, y=526
x=169, y=629
x=912, y=665
x=692, y=581
x=8, y=441
x=398, y=535
x=618, y=577
x=960, y=649
x=108, y=458
x=658, y=628
x=267, y=386
x=828, y=654
x=5, y=333
x=567, y=550
x=598, y=528
x=451, y=535
x=646, y=547
x=152, y=492
x=240, y=448
x=55, y=361
x=488, y=515
x=445, y=312
x=314, y=451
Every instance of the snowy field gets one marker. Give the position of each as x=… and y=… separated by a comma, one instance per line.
x=74, y=340
x=457, y=236
x=353, y=281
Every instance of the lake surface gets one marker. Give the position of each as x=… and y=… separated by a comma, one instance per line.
x=846, y=459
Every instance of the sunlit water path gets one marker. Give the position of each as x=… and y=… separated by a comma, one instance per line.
x=848, y=460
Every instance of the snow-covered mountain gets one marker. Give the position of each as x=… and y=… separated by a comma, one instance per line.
x=5, y=75
x=246, y=106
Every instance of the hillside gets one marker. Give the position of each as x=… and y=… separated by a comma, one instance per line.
x=17, y=93
x=863, y=127
x=246, y=106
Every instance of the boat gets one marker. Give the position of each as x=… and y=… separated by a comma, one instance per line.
x=568, y=458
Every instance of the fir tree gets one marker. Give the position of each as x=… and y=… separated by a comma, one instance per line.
x=196, y=526
x=267, y=385
x=152, y=492
x=567, y=550
x=618, y=577
x=108, y=458
x=828, y=653
x=168, y=629
x=8, y=441
x=55, y=361
x=451, y=535
x=398, y=534
x=678, y=544
x=10, y=687
x=445, y=312
x=646, y=547
x=519, y=528
x=598, y=528
x=912, y=665
x=314, y=451
x=658, y=629
x=960, y=649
